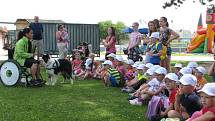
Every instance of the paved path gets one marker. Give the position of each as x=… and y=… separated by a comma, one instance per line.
x=3, y=56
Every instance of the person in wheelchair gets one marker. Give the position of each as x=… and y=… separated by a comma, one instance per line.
x=24, y=56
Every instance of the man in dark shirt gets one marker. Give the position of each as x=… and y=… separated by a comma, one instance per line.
x=37, y=42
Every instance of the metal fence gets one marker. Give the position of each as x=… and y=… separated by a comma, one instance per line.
x=77, y=33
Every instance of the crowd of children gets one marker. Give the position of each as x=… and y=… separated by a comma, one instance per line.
x=184, y=94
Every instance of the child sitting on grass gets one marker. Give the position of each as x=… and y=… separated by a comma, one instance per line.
x=171, y=80
x=153, y=87
x=177, y=68
x=201, y=81
x=100, y=70
x=112, y=58
x=112, y=78
x=186, y=101
x=207, y=113
x=76, y=64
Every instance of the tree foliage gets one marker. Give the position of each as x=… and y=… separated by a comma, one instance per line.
x=178, y=3
x=119, y=26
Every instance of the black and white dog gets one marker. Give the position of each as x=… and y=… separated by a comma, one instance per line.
x=56, y=66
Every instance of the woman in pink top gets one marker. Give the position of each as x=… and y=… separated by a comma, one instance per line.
x=62, y=41
x=133, y=45
x=110, y=42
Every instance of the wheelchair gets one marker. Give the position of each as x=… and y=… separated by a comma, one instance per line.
x=12, y=73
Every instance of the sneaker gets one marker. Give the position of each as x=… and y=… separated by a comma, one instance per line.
x=129, y=90
x=135, y=102
x=132, y=97
x=33, y=82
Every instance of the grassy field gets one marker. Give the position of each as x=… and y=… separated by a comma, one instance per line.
x=86, y=100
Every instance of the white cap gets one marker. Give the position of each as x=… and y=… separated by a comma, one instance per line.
x=186, y=70
x=150, y=71
x=161, y=70
x=155, y=35
x=112, y=55
x=149, y=65
x=135, y=65
x=192, y=64
x=102, y=59
x=209, y=89
x=119, y=58
x=130, y=62
x=138, y=62
x=107, y=62
x=172, y=76
x=156, y=66
x=201, y=69
x=178, y=65
x=141, y=66
x=188, y=79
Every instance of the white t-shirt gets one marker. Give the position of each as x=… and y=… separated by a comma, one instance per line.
x=153, y=85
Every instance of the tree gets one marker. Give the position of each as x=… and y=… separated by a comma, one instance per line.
x=178, y=3
x=119, y=26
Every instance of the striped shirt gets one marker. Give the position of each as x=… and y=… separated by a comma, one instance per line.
x=113, y=72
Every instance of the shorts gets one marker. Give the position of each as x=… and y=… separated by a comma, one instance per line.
x=30, y=61
x=169, y=51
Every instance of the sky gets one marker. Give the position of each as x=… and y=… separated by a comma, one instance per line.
x=93, y=11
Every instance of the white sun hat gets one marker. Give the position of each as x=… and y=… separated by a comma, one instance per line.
x=130, y=62
x=135, y=65
x=112, y=55
x=192, y=64
x=149, y=65
x=102, y=59
x=119, y=58
x=185, y=70
x=150, y=71
x=172, y=76
x=141, y=66
x=108, y=62
x=209, y=89
x=155, y=35
x=161, y=70
x=188, y=79
x=178, y=65
x=201, y=69
x=138, y=62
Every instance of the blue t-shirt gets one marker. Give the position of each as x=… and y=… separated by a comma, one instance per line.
x=155, y=59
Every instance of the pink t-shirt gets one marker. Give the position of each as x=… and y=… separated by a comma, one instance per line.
x=121, y=69
x=76, y=64
x=111, y=48
x=134, y=36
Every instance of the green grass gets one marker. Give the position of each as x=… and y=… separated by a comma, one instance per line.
x=86, y=100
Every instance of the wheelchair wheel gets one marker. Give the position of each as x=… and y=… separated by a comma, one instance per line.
x=10, y=72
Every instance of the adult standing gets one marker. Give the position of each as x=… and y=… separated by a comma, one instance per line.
x=133, y=45
x=166, y=36
x=62, y=41
x=37, y=42
x=110, y=42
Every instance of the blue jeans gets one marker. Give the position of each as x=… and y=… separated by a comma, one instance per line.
x=113, y=81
